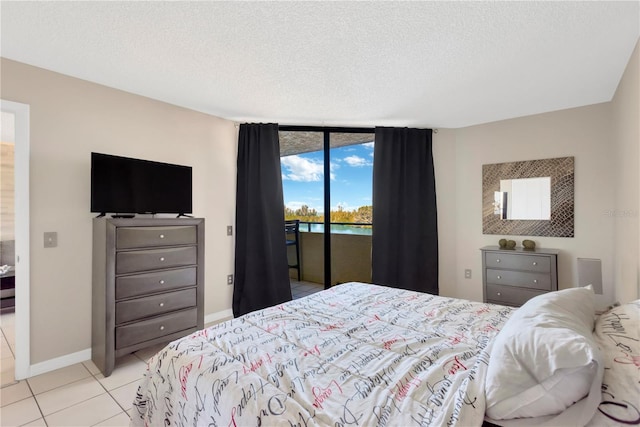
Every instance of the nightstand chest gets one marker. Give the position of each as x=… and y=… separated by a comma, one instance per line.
x=148, y=284
x=513, y=276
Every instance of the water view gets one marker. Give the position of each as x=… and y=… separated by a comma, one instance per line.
x=336, y=229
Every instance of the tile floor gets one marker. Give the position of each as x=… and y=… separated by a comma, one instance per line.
x=78, y=395
x=302, y=288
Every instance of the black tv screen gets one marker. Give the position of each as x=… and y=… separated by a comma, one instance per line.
x=123, y=185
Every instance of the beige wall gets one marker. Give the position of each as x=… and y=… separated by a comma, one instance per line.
x=603, y=138
x=584, y=133
x=626, y=142
x=71, y=118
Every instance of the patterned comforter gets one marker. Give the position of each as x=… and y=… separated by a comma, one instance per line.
x=355, y=355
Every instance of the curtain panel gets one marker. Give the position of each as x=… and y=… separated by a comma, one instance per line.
x=405, y=227
x=261, y=266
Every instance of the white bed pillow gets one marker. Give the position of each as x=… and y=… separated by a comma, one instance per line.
x=545, y=358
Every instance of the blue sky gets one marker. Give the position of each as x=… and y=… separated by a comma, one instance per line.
x=351, y=176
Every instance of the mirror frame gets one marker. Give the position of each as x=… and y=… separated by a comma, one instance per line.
x=561, y=171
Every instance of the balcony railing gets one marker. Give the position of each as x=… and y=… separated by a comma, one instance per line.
x=350, y=252
x=340, y=227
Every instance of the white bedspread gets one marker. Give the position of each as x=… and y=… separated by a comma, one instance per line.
x=358, y=354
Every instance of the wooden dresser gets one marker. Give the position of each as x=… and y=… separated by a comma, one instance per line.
x=513, y=276
x=148, y=284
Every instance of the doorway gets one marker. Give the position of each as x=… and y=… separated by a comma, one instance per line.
x=15, y=122
x=327, y=183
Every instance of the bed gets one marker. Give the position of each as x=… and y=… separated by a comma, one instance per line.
x=362, y=354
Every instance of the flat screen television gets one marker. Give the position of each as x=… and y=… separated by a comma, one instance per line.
x=122, y=185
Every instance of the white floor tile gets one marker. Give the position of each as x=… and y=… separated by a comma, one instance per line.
x=87, y=413
x=91, y=367
x=10, y=335
x=5, y=350
x=68, y=395
x=125, y=395
x=20, y=413
x=120, y=420
x=7, y=371
x=57, y=378
x=7, y=320
x=14, y=393
x=37, y=423
x=128, y=369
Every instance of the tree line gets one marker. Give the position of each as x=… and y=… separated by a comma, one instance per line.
x=363, y=214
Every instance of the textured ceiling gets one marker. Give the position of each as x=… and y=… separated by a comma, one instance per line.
x=437, y=64
x=298, y=142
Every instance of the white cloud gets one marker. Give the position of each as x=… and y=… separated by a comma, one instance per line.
x=368, y=144
x=301, y=169
x=356, y=161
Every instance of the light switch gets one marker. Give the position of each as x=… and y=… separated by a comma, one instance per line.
x=229, y=230
x=50, y=239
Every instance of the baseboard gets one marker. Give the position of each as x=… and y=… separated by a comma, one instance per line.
x=219, y=315
x=84, y=355
x=59, y=362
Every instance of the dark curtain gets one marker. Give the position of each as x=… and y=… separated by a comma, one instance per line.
x=261, y=266
x=405, y=227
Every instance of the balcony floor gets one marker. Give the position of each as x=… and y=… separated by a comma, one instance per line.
x=302, y=288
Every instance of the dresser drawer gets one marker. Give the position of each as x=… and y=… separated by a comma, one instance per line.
x=535, y=263
x=519, y=278
x=139, y=308
x=509, y=295
x=149, y=283
x=156, y=327
x=140, y=237
x=154, y=259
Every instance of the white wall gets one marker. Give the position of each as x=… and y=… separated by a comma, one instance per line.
x=70, y=118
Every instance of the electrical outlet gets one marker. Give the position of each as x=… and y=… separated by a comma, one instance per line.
x=467, y=273
x=230, y=279
x=229, y=230
x=50, y=239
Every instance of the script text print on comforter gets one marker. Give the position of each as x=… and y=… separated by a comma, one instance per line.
x=357, y=354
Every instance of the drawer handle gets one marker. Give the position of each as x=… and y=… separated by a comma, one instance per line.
x=499, y=294
x=161, y=304
x=499, y=277
x=535, y=263
x=161, y=258
x=162, y=282
x=498, y=260
x=162, y=236
x=535, y=280
x=162, y=328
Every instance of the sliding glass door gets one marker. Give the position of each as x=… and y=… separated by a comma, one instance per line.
x=327, y=183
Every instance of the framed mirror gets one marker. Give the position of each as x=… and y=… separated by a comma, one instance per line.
x=529, y=198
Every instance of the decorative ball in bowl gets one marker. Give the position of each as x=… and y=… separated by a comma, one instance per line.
x=529, y=244
x=511, y=244
x=502, y=243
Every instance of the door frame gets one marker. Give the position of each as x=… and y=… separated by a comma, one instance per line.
x=326, y=131
x=22, y=235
